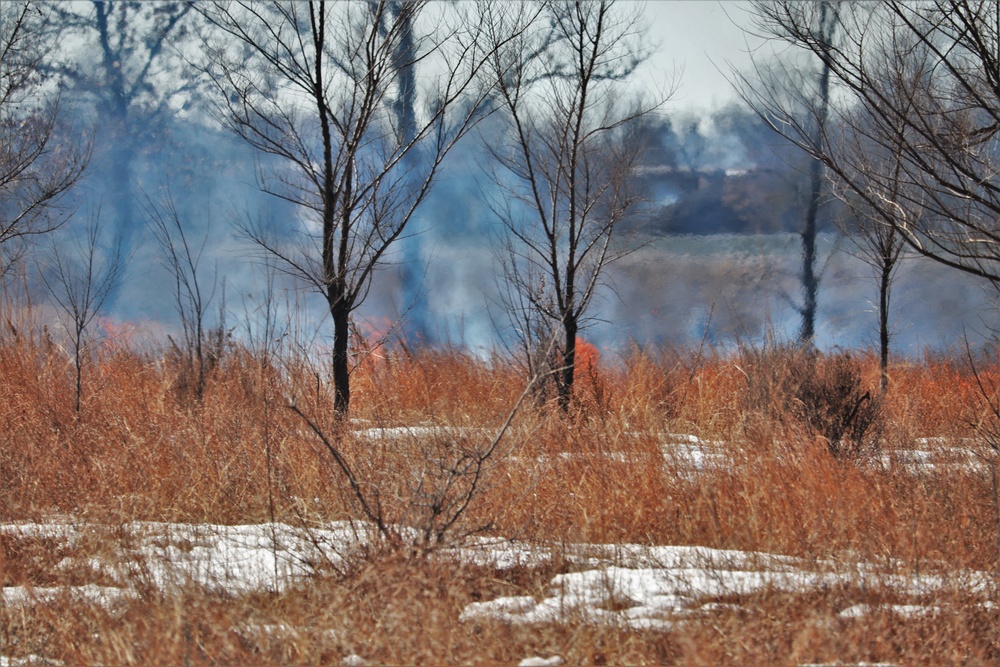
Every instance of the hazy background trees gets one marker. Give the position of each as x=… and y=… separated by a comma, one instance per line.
x=801, y=89
x=926, y=78
x=910, y=138
x=705, y=174
x=129, y=69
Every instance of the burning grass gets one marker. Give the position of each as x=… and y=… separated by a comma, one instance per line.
x=725, y=451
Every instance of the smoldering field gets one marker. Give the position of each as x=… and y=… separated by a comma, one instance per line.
x=693, y=509
x=701, y=504
x=718, y=289
x=713, y=496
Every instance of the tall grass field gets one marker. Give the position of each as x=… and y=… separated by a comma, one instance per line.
x=763, y=506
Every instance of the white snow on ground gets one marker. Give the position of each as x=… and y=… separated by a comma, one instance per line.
x=31, y=660
x=941, y=455
x=903, y=610
x=919, y=461
x=665, y=584
x=500, y=553
x=628, y=585
x=105, y=596
x=239, y=558
x=687, y=454
x=234, y=559
x=535, y=661
x=409, y=432
x=852, y=664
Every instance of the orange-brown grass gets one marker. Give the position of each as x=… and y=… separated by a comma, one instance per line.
x=774, y=628
x=445, y=386
x=937, y=396
x=611, y=470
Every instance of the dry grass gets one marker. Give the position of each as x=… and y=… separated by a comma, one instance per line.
x=142, y=449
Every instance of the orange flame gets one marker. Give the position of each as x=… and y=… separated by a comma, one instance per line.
x=587, y=356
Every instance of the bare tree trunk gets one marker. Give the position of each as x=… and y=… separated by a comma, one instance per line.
x=885, y=285
x=78, y=362
x=810, y=281
x=116, y=108
x=568, y=371
x=411, y=273
x=341, y=313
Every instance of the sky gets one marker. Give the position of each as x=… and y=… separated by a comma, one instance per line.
x=699, y=39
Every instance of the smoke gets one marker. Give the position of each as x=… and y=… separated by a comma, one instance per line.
x=716, y=257
x=729, y=288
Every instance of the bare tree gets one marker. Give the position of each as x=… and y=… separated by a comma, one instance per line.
x=927, y=76
x=134, y=79
x=827, y=24
x=564, y=164
x=879, y=244
x=80, y=283
x=182, y=258
x=316, y=84
x=881, y=247
x=805, y=93
x=37, y=167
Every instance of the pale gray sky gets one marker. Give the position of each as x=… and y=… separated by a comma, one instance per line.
x=698, y=38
